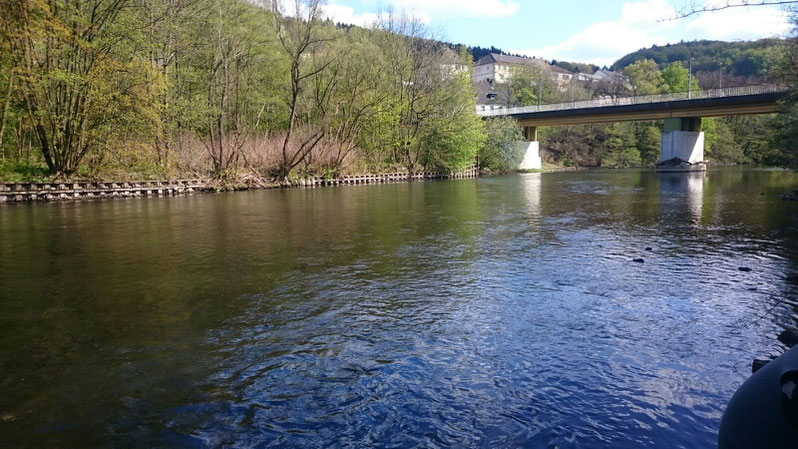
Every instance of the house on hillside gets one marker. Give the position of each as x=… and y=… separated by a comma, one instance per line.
x=496, y=68
x=562, y=77
x=612, y=84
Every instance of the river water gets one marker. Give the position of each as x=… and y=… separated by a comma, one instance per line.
x=497, y=312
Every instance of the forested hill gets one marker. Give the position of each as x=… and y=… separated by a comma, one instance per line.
x=743, y=59
x=748, y=59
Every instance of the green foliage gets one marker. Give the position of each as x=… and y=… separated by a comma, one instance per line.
x=521, y=90
x=741, y=59
x=647, y=142
x=502, y=151
x=455, y=134
x=21, y=170
x=645, y=77
x=620, y=149
x=676, y=78
x=162, y=87
x=576, y=67
x=80, y=83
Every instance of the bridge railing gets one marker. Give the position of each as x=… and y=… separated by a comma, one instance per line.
x=496, y=111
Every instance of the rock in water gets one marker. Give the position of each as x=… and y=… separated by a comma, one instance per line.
x=789, y=338
x=639, y=261
x=745, y=269
x=758, y=365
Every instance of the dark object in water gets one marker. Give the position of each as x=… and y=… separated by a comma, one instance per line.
x=680, y=165
x=639, y=261
x=745, y=269
x=758, y=364
x=763, y=414
x=789, y=338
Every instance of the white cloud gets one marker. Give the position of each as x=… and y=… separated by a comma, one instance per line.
x=345, y=14
x=645, y=23
x=475, y=8
x=740, y=24
x=641, y=25
x=423, y=10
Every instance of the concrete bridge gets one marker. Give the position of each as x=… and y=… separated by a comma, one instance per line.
x=682, y=142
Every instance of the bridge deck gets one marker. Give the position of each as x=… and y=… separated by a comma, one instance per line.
x=711, y=103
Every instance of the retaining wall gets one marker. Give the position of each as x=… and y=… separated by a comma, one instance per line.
x=66, y=191
x=62, y=191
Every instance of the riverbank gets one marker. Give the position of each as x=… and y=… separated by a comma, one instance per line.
x=27, y=192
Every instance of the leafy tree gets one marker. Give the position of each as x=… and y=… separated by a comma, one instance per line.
x=520, y=90
x=676, y=78
x=80, y=84
x=645, y=78
x=454, y=133
x=647, y=142
x=501, y=152
x=621, y=150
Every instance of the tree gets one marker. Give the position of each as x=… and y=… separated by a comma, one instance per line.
x=454, y=133
x=719, y=6
x=7, y=81
x=348, y=96
x=81, y=86
x=520, y=89
x=304, y=43
x=233, y=72
x=621, y=150
x=647, y=142
x=787, y=120
x=501, y=152
x=676, y=78
x=645, y=78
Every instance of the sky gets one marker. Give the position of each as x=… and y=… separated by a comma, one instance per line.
x=593, y=31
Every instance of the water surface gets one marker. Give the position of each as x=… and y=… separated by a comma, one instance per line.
x=498, y=312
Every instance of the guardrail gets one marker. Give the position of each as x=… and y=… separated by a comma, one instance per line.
x=497, y=111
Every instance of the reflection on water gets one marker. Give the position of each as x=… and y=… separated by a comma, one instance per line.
x=498, y=312
x=686, y=190
x=532, y=184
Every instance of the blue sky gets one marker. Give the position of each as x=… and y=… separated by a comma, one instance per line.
x=598, y=31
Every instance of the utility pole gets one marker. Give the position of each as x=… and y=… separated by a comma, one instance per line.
x=540, y=93
x=690, y=80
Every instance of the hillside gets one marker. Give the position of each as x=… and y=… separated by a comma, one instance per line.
x=740, y=59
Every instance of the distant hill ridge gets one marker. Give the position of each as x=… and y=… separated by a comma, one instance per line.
x=745, y=59
x=742, y=59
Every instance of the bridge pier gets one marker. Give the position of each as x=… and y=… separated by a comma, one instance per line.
x=531, y=148
x=682, y=146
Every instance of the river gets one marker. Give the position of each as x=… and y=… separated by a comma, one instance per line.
x=496, y=312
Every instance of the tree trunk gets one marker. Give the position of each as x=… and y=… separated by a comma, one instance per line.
x=5, y=111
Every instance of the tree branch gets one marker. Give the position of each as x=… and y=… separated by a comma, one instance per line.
x=695, y=10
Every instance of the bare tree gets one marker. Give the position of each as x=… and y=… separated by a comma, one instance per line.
x=693, y=8
x=303, y=42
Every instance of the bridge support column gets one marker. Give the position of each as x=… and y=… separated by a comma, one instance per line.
x=682, y=145
x=531, y=149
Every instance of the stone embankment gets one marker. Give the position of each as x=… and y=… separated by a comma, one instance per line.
x=472, y=172
x=83, y=190
x=64, y=191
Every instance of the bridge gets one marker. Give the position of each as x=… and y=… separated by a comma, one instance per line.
x=682, y=142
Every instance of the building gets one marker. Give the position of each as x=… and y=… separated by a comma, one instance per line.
x=562, y=77
x=496, y=68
